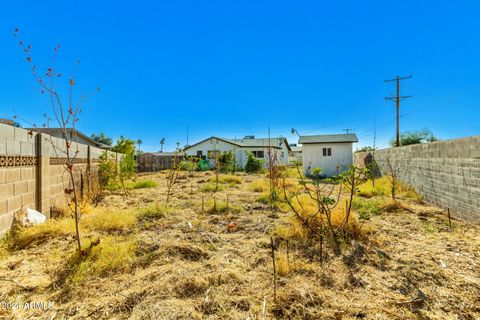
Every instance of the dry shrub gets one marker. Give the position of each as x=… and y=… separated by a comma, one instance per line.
x=186, y=251
x=306, y=207
x=392, y=206
x=152, y=213
x=211, y=187
x=218, y=206
x=282, y=264
x=190, y=286
x=299, y=300
x=112, y=255
x=383, y=187
x=261, y=185
x=108, y=220
x=23, y=237
x=228, y=179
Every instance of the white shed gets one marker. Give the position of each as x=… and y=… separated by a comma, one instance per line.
x=333, y=153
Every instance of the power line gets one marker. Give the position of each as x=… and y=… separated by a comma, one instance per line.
x=397, y=98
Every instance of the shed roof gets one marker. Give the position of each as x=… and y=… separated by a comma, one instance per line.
x=329, y=138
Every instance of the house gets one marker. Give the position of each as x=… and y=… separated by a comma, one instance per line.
x=333, y=153
x=260, y=148
x=295, y=154
x=75, y=135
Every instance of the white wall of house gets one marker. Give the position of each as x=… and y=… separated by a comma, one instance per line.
x=341, y=157
x=240, y=152
x=219, y=145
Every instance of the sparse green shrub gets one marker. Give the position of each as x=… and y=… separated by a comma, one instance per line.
x=253, y=165
x=189, y=164
x=152, y=213
x=227, y=162
x=141, y=184
x=366, y=208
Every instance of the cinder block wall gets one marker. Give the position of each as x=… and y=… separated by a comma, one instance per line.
x=446, y=173
x=32, y=172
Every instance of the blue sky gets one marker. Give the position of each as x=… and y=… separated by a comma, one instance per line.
x=233, y=68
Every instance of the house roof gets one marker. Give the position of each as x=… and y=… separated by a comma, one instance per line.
x=329, y=138
x=213, y=137
x=252, y=143
x=263, y=142
x=296, y=149
x=75, y=133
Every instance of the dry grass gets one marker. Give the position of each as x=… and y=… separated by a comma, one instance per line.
x=383, y=187
x=112, y=255
x=141, y=184
x=109, y=220
x=184, y=264
x=21, y=238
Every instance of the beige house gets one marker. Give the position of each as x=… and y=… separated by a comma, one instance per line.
x=333, y=153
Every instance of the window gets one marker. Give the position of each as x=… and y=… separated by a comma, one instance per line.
x=327, y=152
x=282, y=154
x=199, y=153
x=258, y=154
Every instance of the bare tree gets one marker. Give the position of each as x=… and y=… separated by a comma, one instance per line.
x=326, y=194
x=172, y=175
x=65, y=115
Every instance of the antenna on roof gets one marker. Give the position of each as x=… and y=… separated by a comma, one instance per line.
x=347, y=130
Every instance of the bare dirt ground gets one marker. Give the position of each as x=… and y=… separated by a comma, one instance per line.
x=203, y=265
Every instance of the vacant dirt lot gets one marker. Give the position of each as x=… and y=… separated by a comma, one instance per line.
x=185, y=263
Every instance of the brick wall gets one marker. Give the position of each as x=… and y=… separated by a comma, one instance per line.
x=32, y=173
x=446, y=173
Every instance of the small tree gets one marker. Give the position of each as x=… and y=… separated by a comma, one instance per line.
x=325, y=194
x=127, y=165
x=227, y=162
x=352, y=179
x=172, y=175
x=162, y=142
x=65, y=116
x=102, y=138
x=139, y=142
x=415, y=137
x=253, y=164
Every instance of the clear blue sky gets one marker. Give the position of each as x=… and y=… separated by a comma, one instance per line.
x=231, y=68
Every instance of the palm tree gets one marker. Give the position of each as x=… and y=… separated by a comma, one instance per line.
x=162, y=142
x=139, y=142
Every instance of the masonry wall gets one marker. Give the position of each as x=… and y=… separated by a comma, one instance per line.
x=446, y=173
x=32, y=171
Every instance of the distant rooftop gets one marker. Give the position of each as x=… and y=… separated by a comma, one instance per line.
x=329, y=138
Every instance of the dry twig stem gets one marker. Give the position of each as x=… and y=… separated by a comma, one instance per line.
x=274, y=271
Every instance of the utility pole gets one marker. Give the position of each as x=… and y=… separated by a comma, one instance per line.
x=397, y=100
x=347, y=130
x=187, y=134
